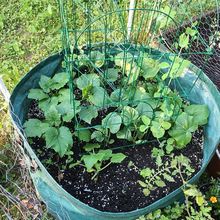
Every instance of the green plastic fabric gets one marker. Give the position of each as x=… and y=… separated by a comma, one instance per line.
x=59, y=202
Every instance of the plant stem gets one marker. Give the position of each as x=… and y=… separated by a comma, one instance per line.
x=93, y=177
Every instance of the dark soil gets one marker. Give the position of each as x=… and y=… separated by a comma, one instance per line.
x=210, y=64
x=116, y=189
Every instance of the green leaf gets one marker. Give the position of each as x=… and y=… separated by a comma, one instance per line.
x=117, y=95
x=35, y=128
x=200, y=200
x=145, y=120
x=59, y=139
x=168, y=177
x=123, y=57
x=182, y=129
x=64, y=95
x=145, y=109
x=59, y=80
x=113, y=122
x=177, y=68
x=90, y=160
x=184, y=40
x=88, y=113
x=125, y=133
x=129, y=115
x=200, y=113
x=46, y=83
x=89, y=147
x=43, y=104
x=107, y=154
x=86, y=80
x=143, y=184
x=99, y=95
x=164, y=65
x=146, y=192
x=98, y=135
x=111, y=75
x=157, y=130
x=143, y=128
x=150, y=67
x=52, y=116
x=146, y=172
x=166, y=125
x=98, y=58
x=117, y=158
x=132, y=71
x=66, y=110
x=83, y=134
x=191, y=192
x=160, y=183
x=37, y=94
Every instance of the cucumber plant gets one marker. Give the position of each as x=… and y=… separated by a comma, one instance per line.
x=128, y=101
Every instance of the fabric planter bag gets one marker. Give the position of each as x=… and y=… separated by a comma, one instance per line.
x=59, y=202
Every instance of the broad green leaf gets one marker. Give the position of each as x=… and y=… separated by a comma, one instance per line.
x=113, y=122
x=143, y=128
x=99, y=97
x=146, y=172
x=132, y=72
x=89, y=147
x=37, y=94
x=59, y=139
x=98, y=135
x=122, y=57
x=118, y=95
x=111, y=75
x=59, y=80
x=52, y=116
x=35, y=128
x=90, y=160
x=64, y=95
x=125, y=133
x=67, y=110
x=97, y=58
x=182, y=129
x=129, y=115
x=145, y=109
x=117, y=158
x=157, y=130
x=107, y=154
x=200, y=113
x=86, y=80
x=46, y=83
x=43, y=104
x=150, y=67
x=177, y=68
x=145, y=120
x=164, y=65
x=191, y=192
x=166, y=125
x=88, y=113
x=83, y=134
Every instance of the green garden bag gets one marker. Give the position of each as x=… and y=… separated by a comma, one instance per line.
x=59, y=202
